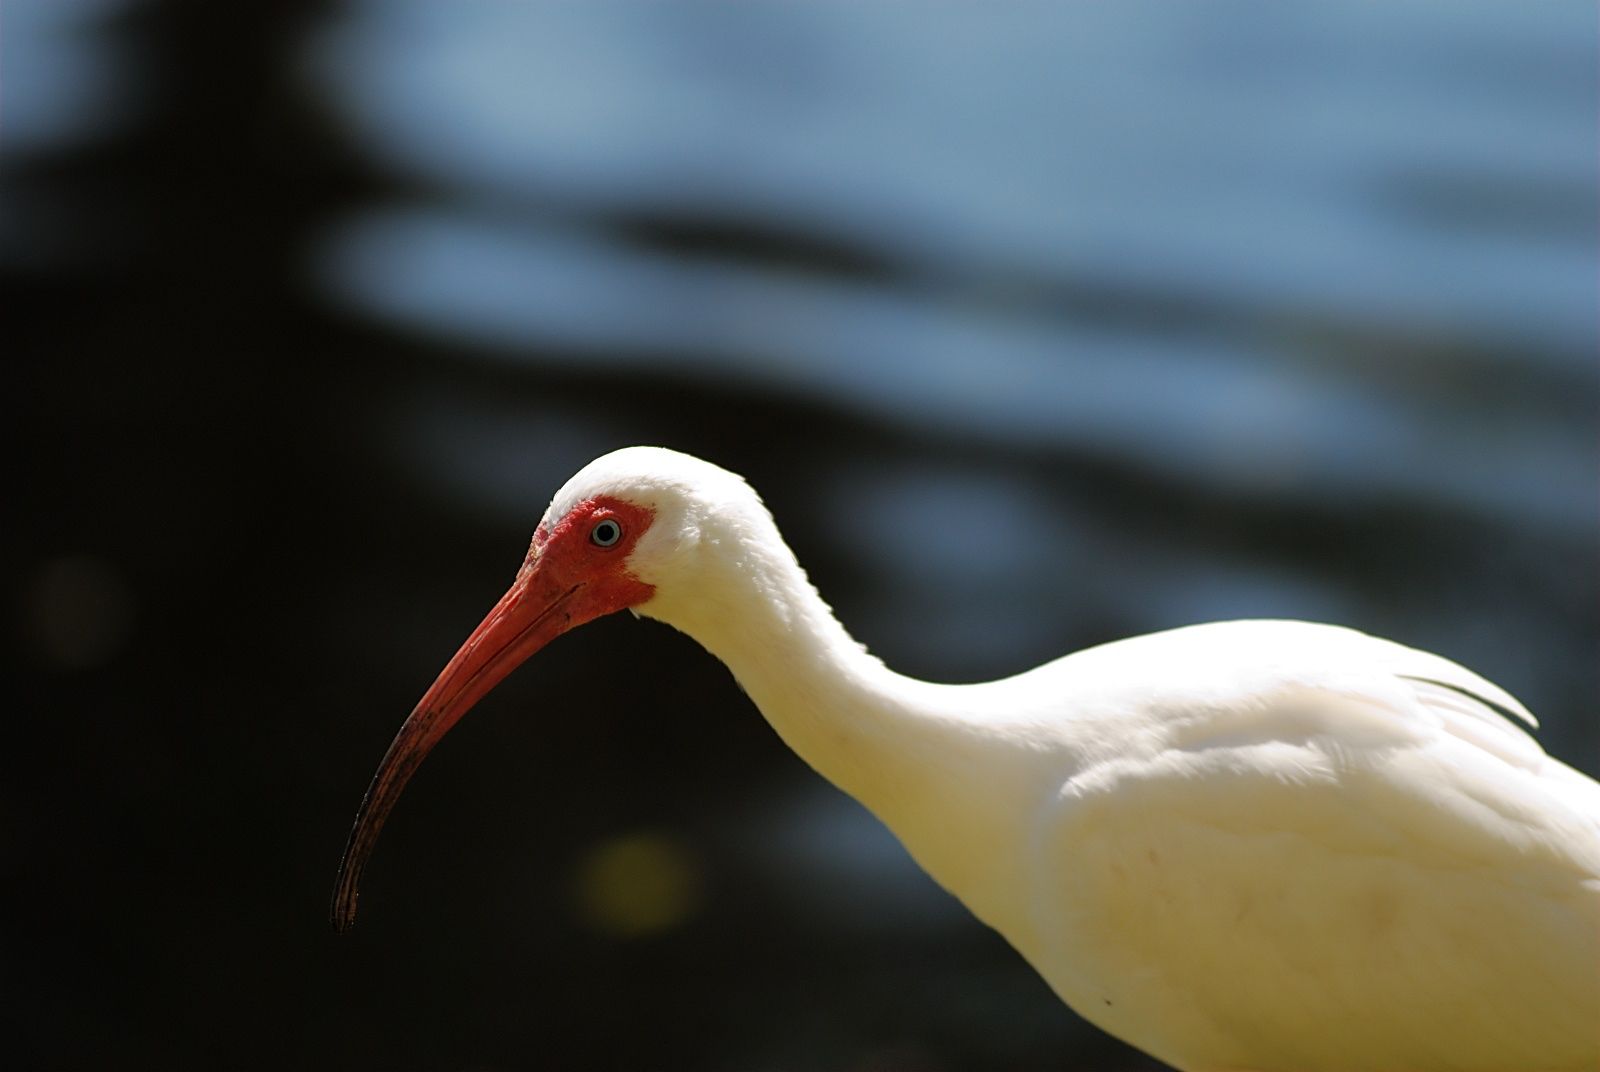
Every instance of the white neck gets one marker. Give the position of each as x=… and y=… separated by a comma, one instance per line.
x=837, y=706
x=904, y=748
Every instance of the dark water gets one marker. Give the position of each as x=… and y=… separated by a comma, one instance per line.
x=1036, y=326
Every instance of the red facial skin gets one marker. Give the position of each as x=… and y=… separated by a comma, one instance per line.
x=565, y=581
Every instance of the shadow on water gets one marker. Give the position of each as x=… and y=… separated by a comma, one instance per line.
x=1035, y=328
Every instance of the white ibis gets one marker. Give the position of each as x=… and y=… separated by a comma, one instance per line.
x=1270, y=846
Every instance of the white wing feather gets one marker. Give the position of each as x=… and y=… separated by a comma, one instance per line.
x=1310, y=849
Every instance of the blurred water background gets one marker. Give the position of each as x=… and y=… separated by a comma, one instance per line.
x=1037, y=325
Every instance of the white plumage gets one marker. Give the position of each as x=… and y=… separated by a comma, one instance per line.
x=1263, y=845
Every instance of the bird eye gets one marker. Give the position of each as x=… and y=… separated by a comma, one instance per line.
x=605, y=533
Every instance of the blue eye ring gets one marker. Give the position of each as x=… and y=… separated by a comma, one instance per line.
x=606, y=532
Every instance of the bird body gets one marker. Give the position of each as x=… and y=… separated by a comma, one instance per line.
x=1304, y=848
x=1265, y=845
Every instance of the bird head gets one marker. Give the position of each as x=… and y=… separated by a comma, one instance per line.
x=631, y=530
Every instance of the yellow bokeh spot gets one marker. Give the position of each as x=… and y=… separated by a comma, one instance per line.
x=637, y=885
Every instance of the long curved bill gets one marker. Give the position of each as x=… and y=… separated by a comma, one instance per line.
x=527, y=617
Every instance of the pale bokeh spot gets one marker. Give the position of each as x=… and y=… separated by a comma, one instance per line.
x=636, y=885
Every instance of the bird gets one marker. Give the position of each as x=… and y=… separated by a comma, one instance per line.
x=1242, y=846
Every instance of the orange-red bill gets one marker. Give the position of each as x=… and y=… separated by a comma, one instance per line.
x=528, y=616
